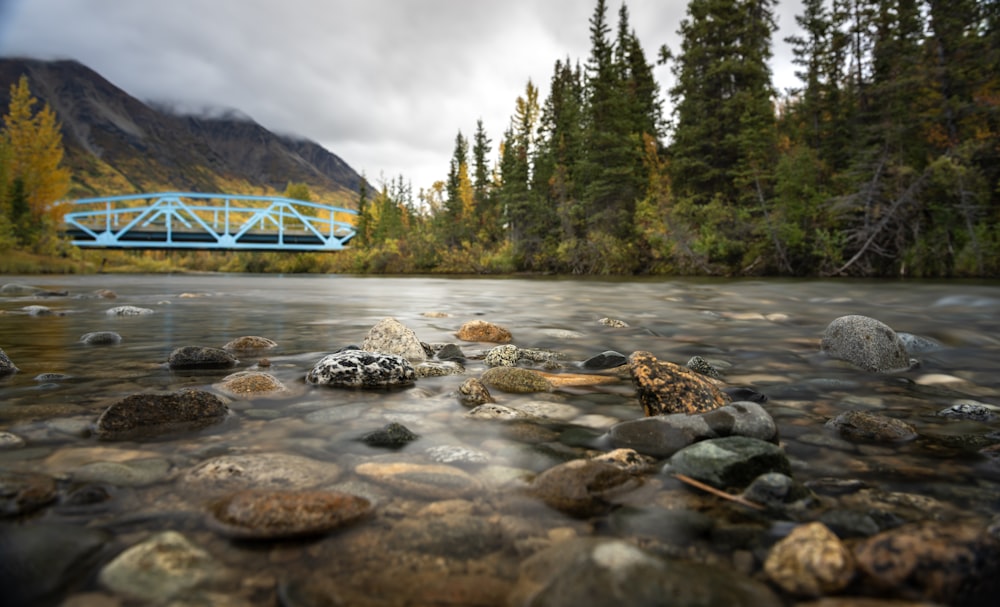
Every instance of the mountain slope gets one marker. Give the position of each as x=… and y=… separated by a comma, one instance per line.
x=116, y=144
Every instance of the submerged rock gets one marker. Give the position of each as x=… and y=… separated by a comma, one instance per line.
x=146, y=415
x=257, y=514
x=868, y=426
x=389, y=336
x=480, y=330
x=101, y=338
x=24, y=492
x=250, y=344
x=7, y=366
x=393, y=435
x=361, y=369
x=583, y=488
x=515, y=379
x=664, y=387
x=866, y=343
x=200, y=357
x=730, y=462
x=430, y=481
x=128, y=311
x=160, y=568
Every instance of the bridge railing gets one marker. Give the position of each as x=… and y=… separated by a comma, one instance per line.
x=194, y=220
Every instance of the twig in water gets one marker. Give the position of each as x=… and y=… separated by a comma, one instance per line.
x=700, y=485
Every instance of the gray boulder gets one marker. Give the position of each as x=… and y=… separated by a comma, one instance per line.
x=733, y=461
x=389, y=336
x=866, y=343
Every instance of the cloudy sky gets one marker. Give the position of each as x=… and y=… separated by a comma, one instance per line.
x=384, y=84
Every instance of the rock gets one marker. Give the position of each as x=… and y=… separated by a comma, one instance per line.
x=473, y=393
x=38, y=311
x=452, y=454
x=603, y=572
x=950, y=563
x=700, y=365
x=515, y=379
x=160, y=568
x=480, y=330
x=146, y=415
x=505, y=355
x=563, y=380
x=128, y=311
x=582, y=488
x=872, y=427
x=664, y=387
x=9, y=440
x=248, y=384
x=360, y=369
x=849, y=524
x=257, y=514
x=7, y=366
x=971, y=410
x=729, y=462
x=866, y=343
x=495, y=411
x=609, y=359
x=664, y=435
x=106, y=294
x=250, y=344
x=40, y=563
x=810, y=562
x=746, y=394
x=628, y=460
x=261, y=471
x=389, y=336
x=200, y=357
x=101, y=338
x=134, y=473
x=777, y=491
x=430, y=368
x=24, y=492
x=393, y=435
x=431, y=481
x=613, y=322
x=12, y=289
x=916, y=344
x=450, y=352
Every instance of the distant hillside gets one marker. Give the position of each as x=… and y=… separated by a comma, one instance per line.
x=116, y=144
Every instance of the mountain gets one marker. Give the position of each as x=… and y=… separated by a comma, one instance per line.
x=117, y=144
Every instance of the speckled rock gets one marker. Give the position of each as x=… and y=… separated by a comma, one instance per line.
x=480, y=330
x=515, y=379
x=392, y=435
x=613, y=322
x=810, y=562
x=24, y=492
x=7, y=366
x=495, y=411
x=505, y=355
x=456, y=454
x=431, y=481
x=435, y=368
x=250, y=344
x=729, y=462
x=609, y=572
x=628, y=460
x=608, y=359
x=101, y=338
x=971, y=410
x=583, y=488
x=257, y=514
x=872, y=427
x=473, y=393
x=200, y=357
x=664, y=387
x=361, y=369
x=664, y=435
x=866, y=343
x=145, y=415
x=160, y=568
x=128, y=311
x=261, y=471
x=700, y=365
x=950, y=563
x=249, y=384
x=389, y=336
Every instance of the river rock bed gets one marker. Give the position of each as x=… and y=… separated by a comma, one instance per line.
x=338, y=441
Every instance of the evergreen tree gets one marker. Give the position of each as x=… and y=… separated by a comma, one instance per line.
x=488, y=223
x=524, y=210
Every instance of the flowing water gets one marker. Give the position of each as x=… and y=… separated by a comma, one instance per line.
x=763, y=334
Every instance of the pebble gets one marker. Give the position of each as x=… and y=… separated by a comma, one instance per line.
x=249, y=384
x=515, y=380
x=146, y=415
x=159, y=568
x=24, y=492
x=200, y=357
x=811, y=561
x=261, y=471
x=360, y=369
x=866, y=343
x=729, y=462
x=101, y=338
x=128, y=311
x=583, y=488
x=481, y=330
x=874, y=427
x=431, y=481
x=664, y=387
x=257, y=514
x=250, y=344
x=389, y=336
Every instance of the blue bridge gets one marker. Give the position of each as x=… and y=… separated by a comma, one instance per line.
x=189, y=220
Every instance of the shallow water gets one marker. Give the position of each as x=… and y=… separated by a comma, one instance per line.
x=765, y=335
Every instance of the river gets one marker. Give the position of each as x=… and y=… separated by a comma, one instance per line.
x=762, y=334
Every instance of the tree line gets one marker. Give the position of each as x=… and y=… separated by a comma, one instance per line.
x=883, y=161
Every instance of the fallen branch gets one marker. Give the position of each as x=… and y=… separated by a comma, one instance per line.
x=733, y=498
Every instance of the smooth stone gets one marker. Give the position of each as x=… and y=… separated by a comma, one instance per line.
x=51, y=377
x=664, y=387
x=916, y=344
x=146, y=415
x=497, y=412
x=609, y=359
x=472, y=393
x=453, y=535
x=389, y=336
x=811, y=561
x=583, y=488
x=250, y=344
x=261, y=471
x=160, y=568
x=483, y=331
x=603, y=572
x=452, y=454
x=393, y=435
x=200, y=357
x=25, y=492
x=515, y=380
x=257, y=514
x=542, y=409
x=128, y=311
x=450, y=352
x=133, y=473
x=871, y=427
x=677, y=527
x=360, y=369
x=664, y=435
x=776, y=490
x=866, y=343
x=729, y=462
x=101, y=338
x=7, y=366
x=248, y=384
x=505, y=355
x=431, y=481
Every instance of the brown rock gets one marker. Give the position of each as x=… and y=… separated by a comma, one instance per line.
x=473, y=393
x=582, y=488
x=480, y=330
x=261, y=514
x=664, y=387
x=432, y=481
x=248, y=384
x=517, y=380
x=250, y=344
x=577, y=379
x=23, y=492
x=811, y=561
x=144, y=415
x=868, y=426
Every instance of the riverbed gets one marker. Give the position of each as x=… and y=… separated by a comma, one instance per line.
x=416, y=548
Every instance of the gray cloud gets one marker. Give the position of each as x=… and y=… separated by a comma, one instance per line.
x=383, y=84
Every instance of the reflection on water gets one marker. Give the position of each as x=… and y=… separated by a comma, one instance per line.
x=765, y=333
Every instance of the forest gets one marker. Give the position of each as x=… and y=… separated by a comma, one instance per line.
x=882, y=162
